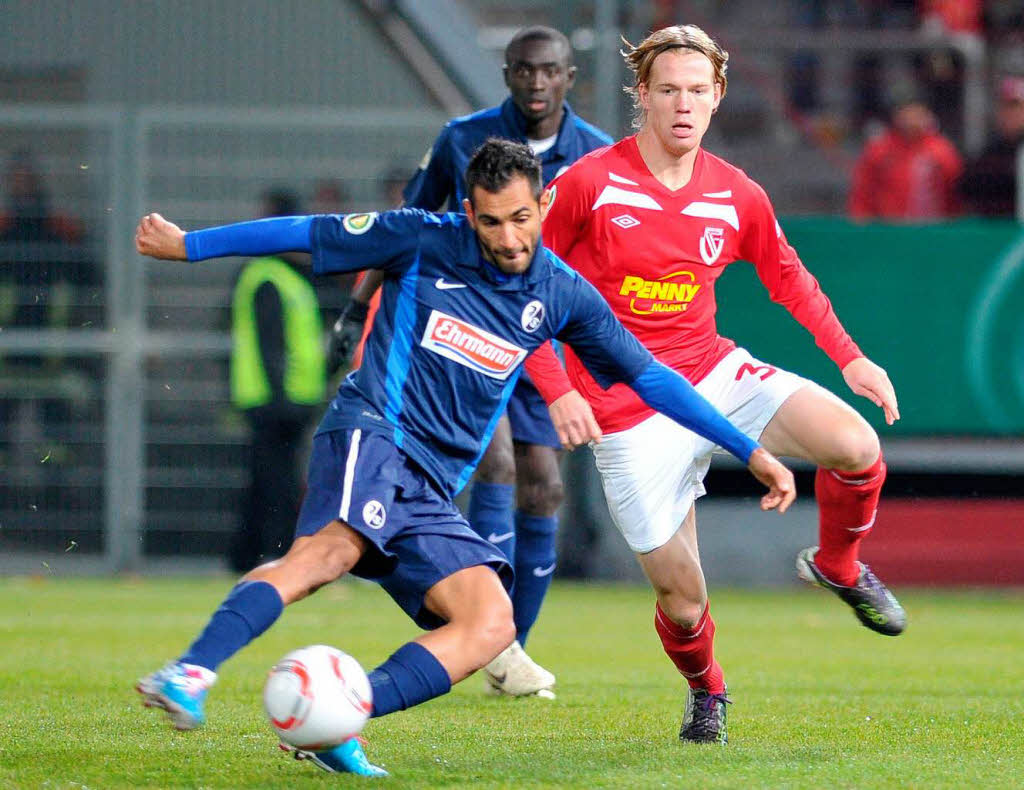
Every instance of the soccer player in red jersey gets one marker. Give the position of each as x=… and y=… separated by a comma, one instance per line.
x=652, y=221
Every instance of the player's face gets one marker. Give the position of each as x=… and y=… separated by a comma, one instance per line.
x=679, y=98
x=914, y=120
x=507, y=223
x=538, y=76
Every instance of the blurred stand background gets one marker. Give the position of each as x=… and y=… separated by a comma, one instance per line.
x=118, y=444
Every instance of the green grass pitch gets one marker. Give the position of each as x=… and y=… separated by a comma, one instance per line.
x=818, y=700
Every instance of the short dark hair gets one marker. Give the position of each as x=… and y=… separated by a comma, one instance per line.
x=497, y=162
x=539, y=33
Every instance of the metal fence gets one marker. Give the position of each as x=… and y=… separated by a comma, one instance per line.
x=118, y=446
x=117, y=440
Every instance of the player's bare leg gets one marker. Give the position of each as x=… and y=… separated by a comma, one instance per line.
x=675, y=573
x=478, y=617
x=816, y=425
x=491, y=514
x=478, y=624
x=498, y=464
x=479, y=620
x=684, y=623
x=539, y=493
x=312, y=562
x=180, y=688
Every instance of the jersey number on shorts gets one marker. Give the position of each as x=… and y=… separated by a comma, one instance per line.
x=761, y=371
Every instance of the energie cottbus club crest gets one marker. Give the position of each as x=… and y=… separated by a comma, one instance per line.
x=711, y=244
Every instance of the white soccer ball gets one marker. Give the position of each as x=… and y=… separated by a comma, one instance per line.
x=317, y=697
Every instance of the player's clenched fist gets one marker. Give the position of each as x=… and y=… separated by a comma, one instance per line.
x=158, y=238
x=781, y=486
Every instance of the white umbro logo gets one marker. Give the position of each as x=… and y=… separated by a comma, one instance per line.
x=441, y=285
x=626, y=221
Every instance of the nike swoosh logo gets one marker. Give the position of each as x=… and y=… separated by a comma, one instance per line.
x=541, y=572
x=492, y=538
x=441, y=285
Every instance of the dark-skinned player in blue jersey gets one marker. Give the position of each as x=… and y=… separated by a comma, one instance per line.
x=465, y=300
x=517, y=489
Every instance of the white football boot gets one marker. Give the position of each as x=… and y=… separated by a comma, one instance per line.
x=515, y=674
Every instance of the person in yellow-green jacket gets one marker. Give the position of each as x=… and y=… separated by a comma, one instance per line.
x=279, y=381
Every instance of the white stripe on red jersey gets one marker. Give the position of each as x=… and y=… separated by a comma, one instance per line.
x=655, y=255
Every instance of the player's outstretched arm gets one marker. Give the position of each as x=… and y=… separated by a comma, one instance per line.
x=866, y=378
x=158, y=238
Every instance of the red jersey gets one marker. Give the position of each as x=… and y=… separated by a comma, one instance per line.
x=655, y=254
x=897, y=178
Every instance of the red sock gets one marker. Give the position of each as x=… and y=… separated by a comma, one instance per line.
x=692, y=650
x=847, y=502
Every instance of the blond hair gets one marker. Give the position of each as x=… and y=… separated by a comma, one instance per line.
x=640, y=58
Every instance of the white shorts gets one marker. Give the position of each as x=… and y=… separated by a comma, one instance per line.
x=653, y=472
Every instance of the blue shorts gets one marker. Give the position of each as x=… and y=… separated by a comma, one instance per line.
x=416, y=534
x=528, y=416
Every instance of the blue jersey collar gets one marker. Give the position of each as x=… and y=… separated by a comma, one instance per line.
x=514, y=119
x=539, y=269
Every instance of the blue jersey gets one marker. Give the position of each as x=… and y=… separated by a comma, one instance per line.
x=441, y=176
x=452, y=332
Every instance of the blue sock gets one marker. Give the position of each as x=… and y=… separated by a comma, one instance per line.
x=249, y=610
x=535, y=565
x=412, y=675
x=490, y=515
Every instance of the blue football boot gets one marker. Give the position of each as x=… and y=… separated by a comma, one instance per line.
x=180, y=689
x=346, y=758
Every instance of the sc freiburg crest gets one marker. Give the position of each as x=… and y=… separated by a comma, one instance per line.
x=374, y=515
x=711, y=244
x=532, y=315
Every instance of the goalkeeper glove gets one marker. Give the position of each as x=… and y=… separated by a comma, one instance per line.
x=345, y=334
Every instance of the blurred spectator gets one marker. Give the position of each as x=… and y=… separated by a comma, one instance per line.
x=45, y=272
x=392, y=183
x=807, y=93
x=43, y=253
x=989, y=184
x=909, y=171
x=278, y=380
x=329, y=197
x=1004, y=18
x=951, y=16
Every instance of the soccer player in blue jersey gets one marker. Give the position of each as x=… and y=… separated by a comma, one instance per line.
x=465, y=300
x=517, y=489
